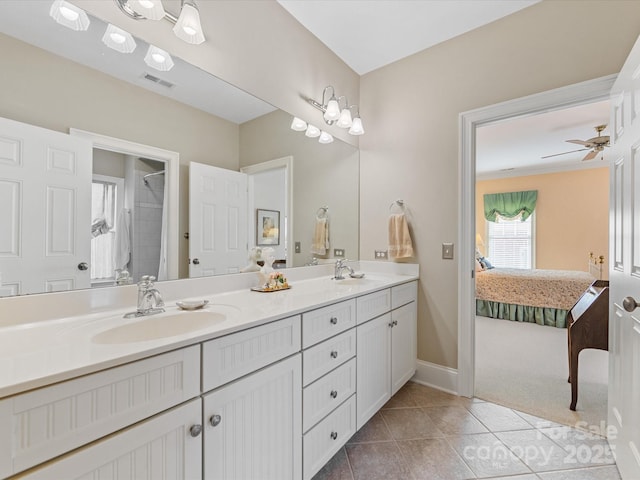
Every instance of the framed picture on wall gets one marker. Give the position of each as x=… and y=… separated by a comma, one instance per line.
x=268, y=227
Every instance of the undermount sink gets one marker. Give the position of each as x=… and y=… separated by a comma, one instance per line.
x=155, y=327
x=357, y=281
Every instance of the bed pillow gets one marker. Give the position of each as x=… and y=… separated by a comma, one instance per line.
x=486, y=264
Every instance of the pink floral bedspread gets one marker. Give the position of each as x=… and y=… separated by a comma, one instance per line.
x=538, y=288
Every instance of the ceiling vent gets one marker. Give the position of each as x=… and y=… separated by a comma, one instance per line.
x=159, y=81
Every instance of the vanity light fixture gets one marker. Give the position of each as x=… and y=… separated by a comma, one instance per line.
x=298, y=125
x=187, y=24
x=118, y=39
x=325, y=137
x=69, y=15
x=334, y=114
x=158, y=59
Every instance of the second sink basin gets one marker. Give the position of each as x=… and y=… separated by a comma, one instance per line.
x=159, y=326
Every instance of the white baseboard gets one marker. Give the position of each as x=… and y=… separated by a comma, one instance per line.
x=436, y=376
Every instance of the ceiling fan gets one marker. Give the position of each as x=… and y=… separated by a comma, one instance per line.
x=595, y=144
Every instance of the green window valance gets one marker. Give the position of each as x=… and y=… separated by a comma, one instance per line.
x=510, y=204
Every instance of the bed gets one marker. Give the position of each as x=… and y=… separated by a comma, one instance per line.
x=537, y=296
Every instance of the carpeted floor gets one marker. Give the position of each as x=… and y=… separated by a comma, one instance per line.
x=524, y=366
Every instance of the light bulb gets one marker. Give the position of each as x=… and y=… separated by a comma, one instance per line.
x=345, y=119
x=188, y=27
x=332, y=112
x=356, y=127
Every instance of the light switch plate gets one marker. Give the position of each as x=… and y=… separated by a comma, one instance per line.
x=338, y=252
x=297, y=247
x=447, y=251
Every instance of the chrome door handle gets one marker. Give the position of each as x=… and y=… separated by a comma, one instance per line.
x=83, y=266
x=630, y=304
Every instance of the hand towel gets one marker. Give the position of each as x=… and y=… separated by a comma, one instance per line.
x=122, y=249
x=320, y=242
x=400, y=245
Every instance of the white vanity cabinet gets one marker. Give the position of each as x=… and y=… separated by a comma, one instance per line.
x=387, y=347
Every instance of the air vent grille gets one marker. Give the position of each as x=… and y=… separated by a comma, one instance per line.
x=159, y=81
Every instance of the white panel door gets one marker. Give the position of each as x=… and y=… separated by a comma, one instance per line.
x=253, y=427
x=217, y=220
x=624, y=251
x=45, y=209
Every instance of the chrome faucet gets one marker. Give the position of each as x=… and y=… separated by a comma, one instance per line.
x=341, y=265
x=149, y=299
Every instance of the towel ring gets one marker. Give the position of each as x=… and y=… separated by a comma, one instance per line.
x=322, y=212
x=397, y=203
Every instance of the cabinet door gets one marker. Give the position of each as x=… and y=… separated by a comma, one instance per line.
x=374, y=367
x=164, y=447
x=403, y=345
x=253, y=427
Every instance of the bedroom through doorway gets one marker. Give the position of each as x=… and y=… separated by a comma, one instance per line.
x=541, y=237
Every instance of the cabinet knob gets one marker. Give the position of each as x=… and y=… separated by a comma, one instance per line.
x=83, y=266
x=334, y=393
x=333, y=320
x=334, y=435
x=195, y=430
x=395, y=322
x=390, y=324
x=334, y=354
x=215, y=420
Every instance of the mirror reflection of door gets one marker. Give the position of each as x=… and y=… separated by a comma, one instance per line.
x=217, y=220
x=44, y=239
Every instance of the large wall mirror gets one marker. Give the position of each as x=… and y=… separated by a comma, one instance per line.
x=57, y=80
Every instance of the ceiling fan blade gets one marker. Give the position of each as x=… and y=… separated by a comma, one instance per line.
x=564, y=153
x=592, y=154
x=580, y=142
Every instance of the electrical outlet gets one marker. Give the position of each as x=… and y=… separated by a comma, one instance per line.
x=338, y=252
x=447, y=251
x=380, y=255
x=297, y=247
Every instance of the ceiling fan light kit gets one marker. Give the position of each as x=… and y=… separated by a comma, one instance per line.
x=595, y=145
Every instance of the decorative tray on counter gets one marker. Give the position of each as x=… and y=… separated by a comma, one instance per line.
x=269, y=290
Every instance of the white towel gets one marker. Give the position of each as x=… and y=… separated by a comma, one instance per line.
x=320, y=242
x=400, y=245
x=122, y=249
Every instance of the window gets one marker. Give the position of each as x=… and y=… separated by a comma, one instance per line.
x=106, y=201
x=511, y=242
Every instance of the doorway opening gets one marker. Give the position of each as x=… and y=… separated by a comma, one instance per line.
x=573, y=95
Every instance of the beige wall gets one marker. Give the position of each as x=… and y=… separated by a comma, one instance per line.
x=42, y=89
x=323, y=175
x=571, y=216
x=412, y=107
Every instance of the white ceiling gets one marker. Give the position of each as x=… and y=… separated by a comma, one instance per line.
x=369, y=34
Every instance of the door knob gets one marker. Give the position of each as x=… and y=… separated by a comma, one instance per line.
x=630, y=304
x=196, y=261
x=83, y=266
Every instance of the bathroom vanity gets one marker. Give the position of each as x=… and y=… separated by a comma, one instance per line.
x=258, y=385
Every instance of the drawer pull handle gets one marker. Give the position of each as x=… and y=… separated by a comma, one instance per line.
x=334, y=320
x=334, y=393
x=334, y=354
x=215, y=420
x=334, y=435
x=195, y=430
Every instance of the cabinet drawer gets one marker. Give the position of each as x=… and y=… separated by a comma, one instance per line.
x=324, y=357
x=326, y=322
x=53, y=420
x=326, y=438
x=373, y=305
x=227, y=358
x=403, y=294
x=326, y=393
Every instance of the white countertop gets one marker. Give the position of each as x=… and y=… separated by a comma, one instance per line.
x=39, y=353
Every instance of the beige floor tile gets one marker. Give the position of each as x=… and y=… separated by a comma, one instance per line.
x=486, y=455
x=377, y=461
x=375, y=430
x=536, y=450
x=583, y=448
x=336, y=469
x=596, y=473
x=401, y=399
x=537, y=422
x=428, y=397
x=409, y=423
x=454, y=420
x=434, y=459
x=530, y=476
x=498, y=418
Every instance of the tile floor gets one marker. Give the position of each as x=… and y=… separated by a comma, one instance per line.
x=423, y=433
